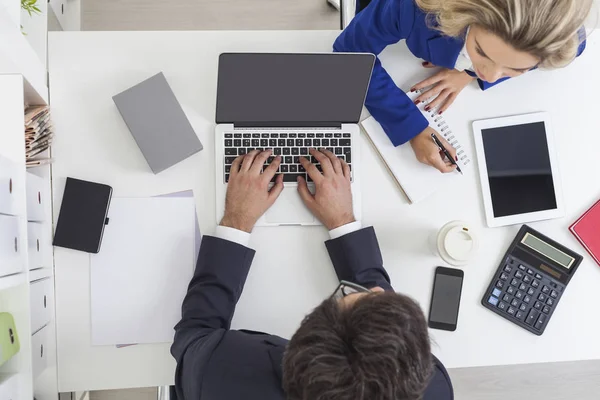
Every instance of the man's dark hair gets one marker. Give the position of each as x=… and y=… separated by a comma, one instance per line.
x=376, y=349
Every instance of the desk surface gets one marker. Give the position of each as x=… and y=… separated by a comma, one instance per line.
x=291, y=273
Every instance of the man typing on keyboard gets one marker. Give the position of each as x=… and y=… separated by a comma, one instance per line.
x=364, y=342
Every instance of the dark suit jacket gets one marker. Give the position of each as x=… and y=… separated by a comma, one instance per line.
x=216, y=363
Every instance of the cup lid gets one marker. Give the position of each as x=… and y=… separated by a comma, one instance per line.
x=459, y=243
x=456, y=243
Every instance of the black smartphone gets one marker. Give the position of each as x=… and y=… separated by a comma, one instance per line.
x=445, y=300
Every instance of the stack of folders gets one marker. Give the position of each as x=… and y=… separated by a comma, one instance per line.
x=38, y=135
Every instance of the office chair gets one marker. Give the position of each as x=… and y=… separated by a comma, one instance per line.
x=349, y=9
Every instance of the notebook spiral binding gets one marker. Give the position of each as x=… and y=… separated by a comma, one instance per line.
x=442, y=127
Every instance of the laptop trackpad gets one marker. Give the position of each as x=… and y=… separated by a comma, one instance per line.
x=289, y=209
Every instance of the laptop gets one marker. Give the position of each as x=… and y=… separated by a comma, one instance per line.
x=290, y=103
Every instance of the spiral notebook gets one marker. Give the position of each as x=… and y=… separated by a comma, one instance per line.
x=417, y=181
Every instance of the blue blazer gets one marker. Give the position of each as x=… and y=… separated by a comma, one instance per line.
x=385, y=22
x=215, y=362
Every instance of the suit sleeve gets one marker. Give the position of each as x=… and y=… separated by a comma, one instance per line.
x=487, y=85
x=356, y=258
x=440, y=386
x=382, y=23
x=213, y=293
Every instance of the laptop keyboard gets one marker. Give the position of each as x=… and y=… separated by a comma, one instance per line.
x=290, y=146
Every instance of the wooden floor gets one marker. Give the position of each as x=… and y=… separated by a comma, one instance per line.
x=559, y=381
x=129, y=394
x=556, y=381
x=111, y=15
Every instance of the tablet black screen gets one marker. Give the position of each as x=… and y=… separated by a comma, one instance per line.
x=519, y=169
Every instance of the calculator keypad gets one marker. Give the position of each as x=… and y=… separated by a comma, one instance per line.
x=523, y=295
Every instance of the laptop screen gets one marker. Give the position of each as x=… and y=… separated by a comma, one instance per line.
x=292, y=89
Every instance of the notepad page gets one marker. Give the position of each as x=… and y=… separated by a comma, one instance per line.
x=140, y=276
x=418, y=181
x=437, y=122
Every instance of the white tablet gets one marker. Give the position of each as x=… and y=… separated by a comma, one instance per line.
x=518, y=169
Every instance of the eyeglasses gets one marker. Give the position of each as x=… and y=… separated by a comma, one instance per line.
x=347, y=288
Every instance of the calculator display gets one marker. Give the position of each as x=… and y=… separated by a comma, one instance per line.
x=548, y=251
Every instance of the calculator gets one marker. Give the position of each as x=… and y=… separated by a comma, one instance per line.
x=531, y=280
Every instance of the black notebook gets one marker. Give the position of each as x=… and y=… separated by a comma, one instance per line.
x=83, y=215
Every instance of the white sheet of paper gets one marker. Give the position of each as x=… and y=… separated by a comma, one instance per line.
x=140, y=276
x=198, y=236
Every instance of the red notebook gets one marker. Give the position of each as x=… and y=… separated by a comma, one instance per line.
x=587, y=230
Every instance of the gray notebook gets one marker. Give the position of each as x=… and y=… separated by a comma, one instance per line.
x=157, y=123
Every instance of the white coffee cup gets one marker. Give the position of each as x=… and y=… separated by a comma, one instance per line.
x=457, y=243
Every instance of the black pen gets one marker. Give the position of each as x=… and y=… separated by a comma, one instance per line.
x=446, y=152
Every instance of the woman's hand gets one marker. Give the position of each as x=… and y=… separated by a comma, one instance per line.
x=447, y=84
x=429, y=153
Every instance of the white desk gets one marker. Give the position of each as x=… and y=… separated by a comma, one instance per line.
x=291, y=272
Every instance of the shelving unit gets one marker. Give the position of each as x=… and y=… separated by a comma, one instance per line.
x=13, y=9
x=17, y=56
x=35, y=29
x=26, y=279
x=68, y=13
x=26, y=267
x=14, y=296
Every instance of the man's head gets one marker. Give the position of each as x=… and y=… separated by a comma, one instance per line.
x=362, y=347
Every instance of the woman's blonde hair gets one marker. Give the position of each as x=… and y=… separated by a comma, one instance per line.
x=546, y=29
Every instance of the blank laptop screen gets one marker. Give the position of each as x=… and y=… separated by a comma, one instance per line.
x=292, y=89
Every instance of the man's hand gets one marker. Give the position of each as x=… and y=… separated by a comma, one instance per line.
x=332, y=201
x=446, y=85
x=429, y=153
x=248, y=194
